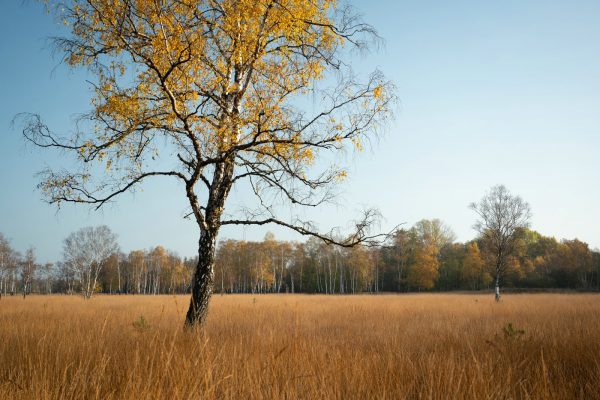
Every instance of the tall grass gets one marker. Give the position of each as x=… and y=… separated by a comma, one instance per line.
x=432, y=346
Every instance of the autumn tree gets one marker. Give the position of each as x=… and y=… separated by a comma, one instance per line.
x=425, y=241
x=572, y=264
x=110, y=275
x=424, y=270
x=227, y=267
x=137, y=263
x=402, y=247
x=434, y=232
x=451, y=271
x=360, y=264
x=501, y=217
x=214, y=88
x=158, y=263
x=86, y=252
x=473, y=271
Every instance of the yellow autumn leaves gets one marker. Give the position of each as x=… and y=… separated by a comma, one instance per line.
x=217, y=72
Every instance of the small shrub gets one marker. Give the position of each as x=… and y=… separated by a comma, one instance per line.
x=511, y=332
x=141, y=324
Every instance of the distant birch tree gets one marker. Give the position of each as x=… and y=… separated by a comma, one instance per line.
x=501, y=216
x=28, y=270
x=85, y=252
x=5, y=259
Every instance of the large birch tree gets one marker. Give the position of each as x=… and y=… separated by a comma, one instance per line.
x=213, y=89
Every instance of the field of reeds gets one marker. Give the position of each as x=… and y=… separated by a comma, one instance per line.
x=433, y=346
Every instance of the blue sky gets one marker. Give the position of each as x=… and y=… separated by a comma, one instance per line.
x=490, y=92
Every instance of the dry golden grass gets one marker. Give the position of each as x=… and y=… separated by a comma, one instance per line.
x=433, y=346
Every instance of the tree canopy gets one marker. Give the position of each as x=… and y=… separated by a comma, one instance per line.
x=210, y=93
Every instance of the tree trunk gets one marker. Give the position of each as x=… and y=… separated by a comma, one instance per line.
x=500, y=262
x=497, y=287
x=202, y=282
x=119, y=274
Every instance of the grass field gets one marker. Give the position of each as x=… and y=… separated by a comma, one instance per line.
x=432, y=346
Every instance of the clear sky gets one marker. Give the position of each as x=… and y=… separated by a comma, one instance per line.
x=491, y=92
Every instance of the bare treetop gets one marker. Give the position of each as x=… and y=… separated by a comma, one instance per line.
x=501, y=213
x=86, y=251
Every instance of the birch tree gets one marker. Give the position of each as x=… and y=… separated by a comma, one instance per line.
x=28, y=270
x=214, y=88
x=85, y=252
x=5, y=259
x=501, y=216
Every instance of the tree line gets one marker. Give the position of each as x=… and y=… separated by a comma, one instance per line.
x=93, y=263
x=425, y=257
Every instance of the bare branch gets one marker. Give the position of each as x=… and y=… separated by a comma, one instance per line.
x=360, y=234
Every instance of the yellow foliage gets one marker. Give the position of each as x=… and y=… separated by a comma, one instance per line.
x=378, y=92
x=424, y=272
x=185, y=51
x=341, y=175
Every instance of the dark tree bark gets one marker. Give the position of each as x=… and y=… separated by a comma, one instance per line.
x=202, y=281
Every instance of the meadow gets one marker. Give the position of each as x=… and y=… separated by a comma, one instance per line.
x=417, y=346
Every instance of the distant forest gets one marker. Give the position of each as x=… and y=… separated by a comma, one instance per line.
x=425, y=257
